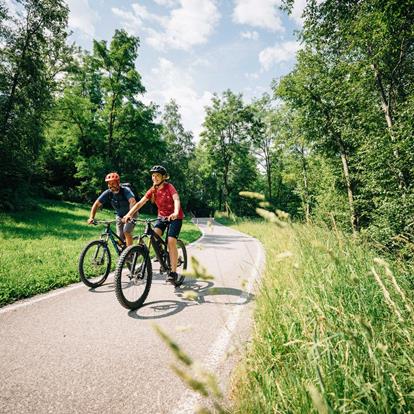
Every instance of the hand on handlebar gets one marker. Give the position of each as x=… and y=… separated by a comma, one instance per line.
x=172, y=217
x=127, y=218
x=91, y=220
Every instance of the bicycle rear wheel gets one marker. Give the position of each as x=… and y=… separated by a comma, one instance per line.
x=94, y=263
x=181, y=262
x=133, y=277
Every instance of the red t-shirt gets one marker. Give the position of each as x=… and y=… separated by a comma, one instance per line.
x=164, y=200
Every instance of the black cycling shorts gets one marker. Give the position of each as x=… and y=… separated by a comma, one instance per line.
x=174, y=226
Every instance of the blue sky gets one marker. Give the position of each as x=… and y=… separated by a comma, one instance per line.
x=193, y=48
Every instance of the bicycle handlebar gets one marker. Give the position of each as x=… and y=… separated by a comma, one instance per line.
x=134, y=220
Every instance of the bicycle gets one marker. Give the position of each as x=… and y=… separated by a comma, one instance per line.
x=133, y=274
x=95, y=259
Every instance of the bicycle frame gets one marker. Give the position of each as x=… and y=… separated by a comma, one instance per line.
x=109, y=234
x=153, y=240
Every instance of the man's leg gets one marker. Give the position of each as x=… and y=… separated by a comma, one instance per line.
x=128, y=230
x=120, y=228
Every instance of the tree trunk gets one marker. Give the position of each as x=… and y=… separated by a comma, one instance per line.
x=220, y=199
x=344, y=158
x=306, y=203
x=269, y=176
x=10, y=100
x=386, y=107
x=226, y=185
x=111, y=128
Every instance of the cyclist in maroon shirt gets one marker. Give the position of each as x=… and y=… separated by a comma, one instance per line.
x=165, y=196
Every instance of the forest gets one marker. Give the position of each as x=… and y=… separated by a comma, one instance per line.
x=330, y=142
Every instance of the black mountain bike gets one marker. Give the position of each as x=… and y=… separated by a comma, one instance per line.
x=95, y=258
x=133, y=274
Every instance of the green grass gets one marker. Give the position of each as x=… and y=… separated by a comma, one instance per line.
x=329, y=335
x=39, y=249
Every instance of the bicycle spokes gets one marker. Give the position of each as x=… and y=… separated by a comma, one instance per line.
x=94, y=263
x=133, y=277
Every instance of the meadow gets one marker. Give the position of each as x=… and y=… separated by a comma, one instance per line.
x=333, y=328
x=40, y=247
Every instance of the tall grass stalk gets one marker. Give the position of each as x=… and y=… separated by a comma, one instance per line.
x=328, y=336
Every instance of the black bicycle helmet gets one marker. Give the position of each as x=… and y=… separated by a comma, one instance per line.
x=158, y=169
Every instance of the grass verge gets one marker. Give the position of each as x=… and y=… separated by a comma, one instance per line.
x=333, y=327
x=39, y=249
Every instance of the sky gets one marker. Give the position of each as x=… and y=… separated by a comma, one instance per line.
x=190, y=49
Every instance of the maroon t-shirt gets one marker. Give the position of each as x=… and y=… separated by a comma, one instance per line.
x=164, y=200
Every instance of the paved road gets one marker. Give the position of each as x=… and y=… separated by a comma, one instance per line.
x=77, y=350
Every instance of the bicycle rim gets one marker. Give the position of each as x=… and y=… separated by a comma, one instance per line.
x=133, y=277
x=94, y=264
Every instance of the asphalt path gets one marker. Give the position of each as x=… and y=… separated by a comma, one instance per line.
x=76, y=350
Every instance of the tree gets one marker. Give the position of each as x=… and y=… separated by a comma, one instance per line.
x=99, y=114
x=179, y=150
x=33, y=50
x=227, y=128
x=263, y=137
x=378, y=36
x=319, y=89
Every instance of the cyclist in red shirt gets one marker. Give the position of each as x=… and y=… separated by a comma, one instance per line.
x=165, y=196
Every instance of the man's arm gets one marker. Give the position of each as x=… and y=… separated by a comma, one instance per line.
x=97, y=204
x=132, y=202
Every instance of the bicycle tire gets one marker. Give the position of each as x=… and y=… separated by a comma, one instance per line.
x=133, y=277
x=181, y=262
x=88, y=269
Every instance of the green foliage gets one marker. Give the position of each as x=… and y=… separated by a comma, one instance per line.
x=32, y=52
x=333, y=327
x=179, y=151
x=99, y=125
x=350, y=96
x=225, y=148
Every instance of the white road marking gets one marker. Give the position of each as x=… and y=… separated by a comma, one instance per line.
x=190, y=399
x=40, y=298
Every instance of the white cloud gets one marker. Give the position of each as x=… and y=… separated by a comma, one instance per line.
x=259, y=13
x=82, y=17
x=200, y=63
x=282, y=52
x=191, y=23
x=135, y=21
x=167, y=3
x=11, y=7
x=297, y=11
x=250, y=35
x=131, y=22
x=168, y=81
x=254, y=75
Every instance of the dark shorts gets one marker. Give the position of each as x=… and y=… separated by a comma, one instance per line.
x=174, y=227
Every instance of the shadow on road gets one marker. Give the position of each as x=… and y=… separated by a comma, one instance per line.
x=213, y=240
x=193, y=292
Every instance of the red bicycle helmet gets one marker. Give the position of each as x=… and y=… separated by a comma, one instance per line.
x=113, y=176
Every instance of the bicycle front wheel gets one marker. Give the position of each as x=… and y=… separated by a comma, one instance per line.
x=94, y=263
x=133, y=277
x=181, y=262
